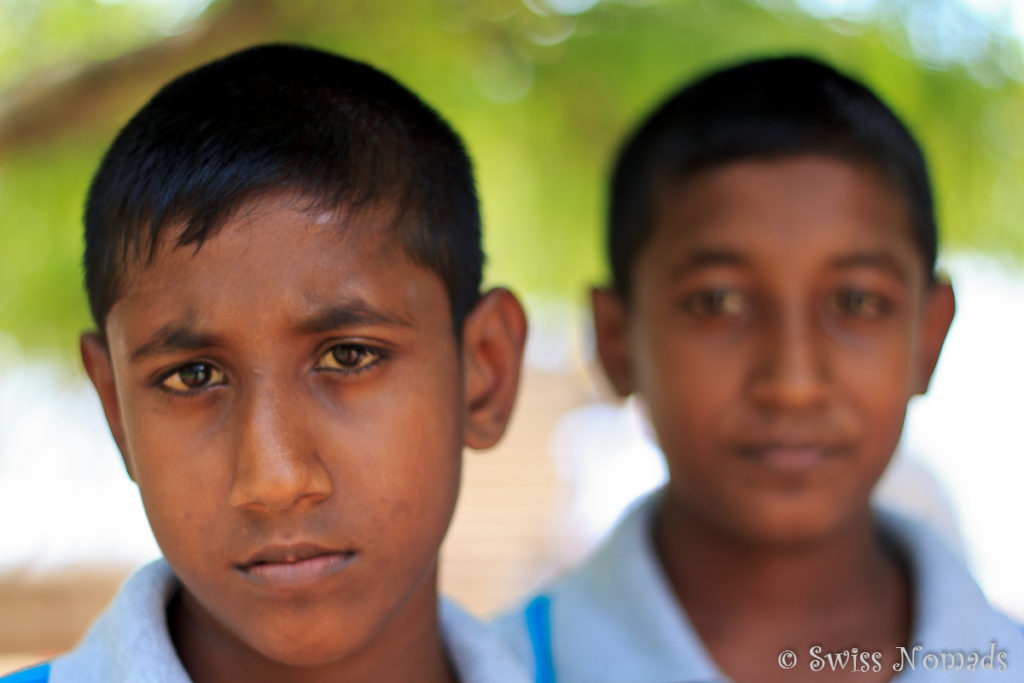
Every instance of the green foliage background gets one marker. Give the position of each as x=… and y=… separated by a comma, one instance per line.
x=541, y=98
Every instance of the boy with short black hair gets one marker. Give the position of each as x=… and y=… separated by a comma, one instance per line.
x=775, y=306
x=283, y=261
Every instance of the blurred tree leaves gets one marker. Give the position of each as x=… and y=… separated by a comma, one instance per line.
x=541, y=98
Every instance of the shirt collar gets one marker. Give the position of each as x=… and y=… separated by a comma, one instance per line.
x=621, y=605
x=131, y=639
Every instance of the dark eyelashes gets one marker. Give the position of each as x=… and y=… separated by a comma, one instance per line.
x=347, y=359
x=192, y=377
x=365, y=358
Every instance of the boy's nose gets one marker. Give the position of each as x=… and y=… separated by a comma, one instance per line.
x=276, y=465
x=791, y=369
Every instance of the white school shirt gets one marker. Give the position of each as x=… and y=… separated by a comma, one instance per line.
x=129, y=643
x=615, y=618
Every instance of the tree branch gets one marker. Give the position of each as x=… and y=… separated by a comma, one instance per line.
x=51, y=106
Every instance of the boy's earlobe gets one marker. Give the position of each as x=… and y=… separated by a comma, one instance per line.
x=611, y=336
x=96, y=359
x=493, y=337
x=938, y=316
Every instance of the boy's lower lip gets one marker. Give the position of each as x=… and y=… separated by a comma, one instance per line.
x=299, y=573
x=787, y=458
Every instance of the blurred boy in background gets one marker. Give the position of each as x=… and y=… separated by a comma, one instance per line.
x=774, y=304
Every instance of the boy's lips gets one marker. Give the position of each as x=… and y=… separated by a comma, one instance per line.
x=788, y=457
x=294, y=565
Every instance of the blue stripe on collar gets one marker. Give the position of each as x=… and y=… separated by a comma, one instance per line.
x=36, y=674
x=538, y=624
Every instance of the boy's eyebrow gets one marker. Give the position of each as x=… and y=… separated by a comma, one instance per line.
x=350, y=314
x=881, y=260
x=181, y=336
x=175, y=336
x=702, y=258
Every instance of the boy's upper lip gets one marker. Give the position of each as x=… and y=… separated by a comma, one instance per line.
x=823, y=444
x=793, y=432
x=290, y=553
x=791, y=452
x=822, y=439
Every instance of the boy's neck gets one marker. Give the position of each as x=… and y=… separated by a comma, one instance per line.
x=847, y=590
x=409, y=647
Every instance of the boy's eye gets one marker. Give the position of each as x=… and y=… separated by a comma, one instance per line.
x=859, y=303
x=715, y=302
x=348, y=357
x=192, y=377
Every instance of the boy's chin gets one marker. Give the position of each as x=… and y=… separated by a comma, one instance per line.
x=799, y=526
x=297, y=654
x=781, y=525
x=307, y=648
x=277, y=638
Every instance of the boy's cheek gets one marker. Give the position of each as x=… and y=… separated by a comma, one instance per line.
x=880, y=372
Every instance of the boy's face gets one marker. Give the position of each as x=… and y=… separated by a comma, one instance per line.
x=781, y=318
x=292, y=403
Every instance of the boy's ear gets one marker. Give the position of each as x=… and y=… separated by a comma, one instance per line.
x=938, y=316
x=96, y=358
x=493, y=337
x=611, y=335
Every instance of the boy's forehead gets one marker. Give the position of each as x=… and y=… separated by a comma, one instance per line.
x=792, y=200
x=259, y=221
x=370, y=223
x=273, y=255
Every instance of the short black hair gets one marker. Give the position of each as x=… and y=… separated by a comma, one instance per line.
x=336, y=132
x=763, y=109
